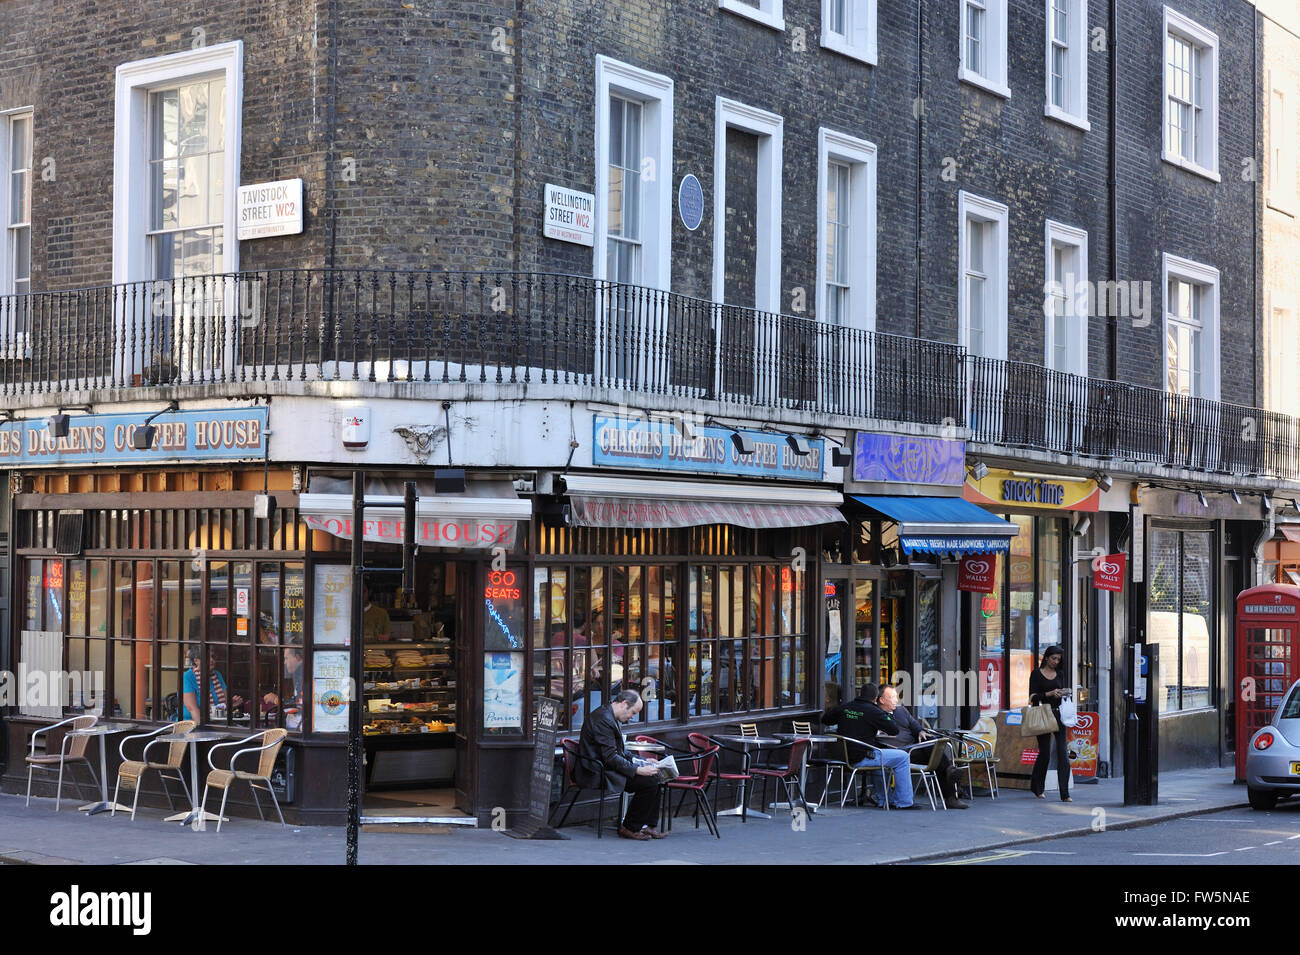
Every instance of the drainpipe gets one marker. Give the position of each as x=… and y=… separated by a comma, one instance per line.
x=1112, y=321
x=920, y=147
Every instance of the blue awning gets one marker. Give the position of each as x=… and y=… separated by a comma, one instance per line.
x=943, y=525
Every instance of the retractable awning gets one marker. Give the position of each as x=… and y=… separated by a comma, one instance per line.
x=943, y=525
x=606, y=501
x=486, y=515
x=1291, y=532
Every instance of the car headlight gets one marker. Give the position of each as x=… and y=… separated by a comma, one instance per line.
x=1264, y=741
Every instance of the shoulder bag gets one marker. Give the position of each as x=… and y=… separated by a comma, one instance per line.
x=1037, y=720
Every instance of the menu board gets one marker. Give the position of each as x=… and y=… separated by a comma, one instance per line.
x=333, y=607
x=543, y=769
x=293, y=604
x=329, y=691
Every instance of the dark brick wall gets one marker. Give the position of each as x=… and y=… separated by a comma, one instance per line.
x=451, y=117
x=1167, y=209
x=60, y=57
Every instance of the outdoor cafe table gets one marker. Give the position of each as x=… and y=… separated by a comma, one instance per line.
x=815, y=739
x=745, y=742
x=102, y=730
x=192, y=817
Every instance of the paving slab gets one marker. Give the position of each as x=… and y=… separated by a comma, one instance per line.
x=849, y=836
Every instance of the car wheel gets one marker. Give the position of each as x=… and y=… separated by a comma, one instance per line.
x=1262, y=799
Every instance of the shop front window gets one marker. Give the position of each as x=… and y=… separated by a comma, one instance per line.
x=1181, y=620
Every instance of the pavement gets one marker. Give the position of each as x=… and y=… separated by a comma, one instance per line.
x=38, y=835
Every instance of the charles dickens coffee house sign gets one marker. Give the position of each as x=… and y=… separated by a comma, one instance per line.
x=109, y=439
x=638, y=443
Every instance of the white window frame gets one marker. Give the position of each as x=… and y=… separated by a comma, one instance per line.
x=770, y=13
x=1205, y=43
x=1076, y=75
x=131, y=143
x=769, y=128
x=860, y=156
x=6, y=117
x=995, y=80
x=1280, y=152
x=1173, y=266
x=1077, y=298
x=655, y=92
x=858, y=41
x=970, y=206
x=1282, y=360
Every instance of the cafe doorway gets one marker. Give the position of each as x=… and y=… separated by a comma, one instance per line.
x=414, y=686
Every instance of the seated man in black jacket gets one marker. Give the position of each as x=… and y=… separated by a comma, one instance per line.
x=600, y=750
x=910, y=731
x=861, y=719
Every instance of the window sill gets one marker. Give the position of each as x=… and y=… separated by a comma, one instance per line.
x=752, y=13
x=1191, y=167
x=1060, y=115
x=1285, y=206
x=989, y=86
x=862, y=54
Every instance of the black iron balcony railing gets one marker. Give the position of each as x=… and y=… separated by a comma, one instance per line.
x=375, y=325
x=1028, y=406
x=309, y=325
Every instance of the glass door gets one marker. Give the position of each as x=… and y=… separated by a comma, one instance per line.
x=835, y=601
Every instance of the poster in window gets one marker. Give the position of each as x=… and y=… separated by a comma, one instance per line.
x=329, y=691
x=77, y=598
x=333, y=608
x=503, y=696
x=294, y=603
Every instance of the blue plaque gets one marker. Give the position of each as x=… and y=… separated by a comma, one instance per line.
x=690, y=202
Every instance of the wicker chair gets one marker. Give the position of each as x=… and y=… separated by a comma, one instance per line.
x=72, y=750
x=130, y=772
x=271, y=741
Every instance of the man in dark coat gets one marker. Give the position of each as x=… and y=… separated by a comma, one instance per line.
x=601, y=752
x=861, y=719
x=911, y=732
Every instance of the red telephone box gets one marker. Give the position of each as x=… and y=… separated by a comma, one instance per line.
x=1268, y=654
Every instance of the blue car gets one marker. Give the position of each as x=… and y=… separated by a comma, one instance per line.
x=1273, y=761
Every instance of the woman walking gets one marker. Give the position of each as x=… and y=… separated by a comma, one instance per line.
x=1047, y=685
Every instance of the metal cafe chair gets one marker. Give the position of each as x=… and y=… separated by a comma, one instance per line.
x=131, y=771
x=791, y=775
x=749, y=729
x=974, y=749
x=572, y=758
x=223, y=779
x=801, y=729
x=72, y=751
x=928, y=774
x=875, y=752
x=696, y=783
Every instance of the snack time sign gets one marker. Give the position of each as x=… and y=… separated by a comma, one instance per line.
x=107, y=439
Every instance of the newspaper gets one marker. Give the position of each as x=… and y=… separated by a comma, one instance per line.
x=667, y=766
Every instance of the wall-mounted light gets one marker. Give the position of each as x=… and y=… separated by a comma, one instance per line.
x=1104, y=481
x=1236, y=498
x=841, y=456
x=742, y=442
x=58, y=423
x=1200, y=496
x=142, y=437
x=979, y=470
x=798, y=444
x=449, y=480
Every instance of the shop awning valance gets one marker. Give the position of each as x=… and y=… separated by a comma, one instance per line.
x=943, y=525
x=486, y=515
x=606, y=501
x=1291, y=532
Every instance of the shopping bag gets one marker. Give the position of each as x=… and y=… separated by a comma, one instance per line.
x=1068, y=714
x=1037, y=720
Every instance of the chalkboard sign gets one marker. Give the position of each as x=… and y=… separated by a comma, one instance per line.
x=539, y=789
